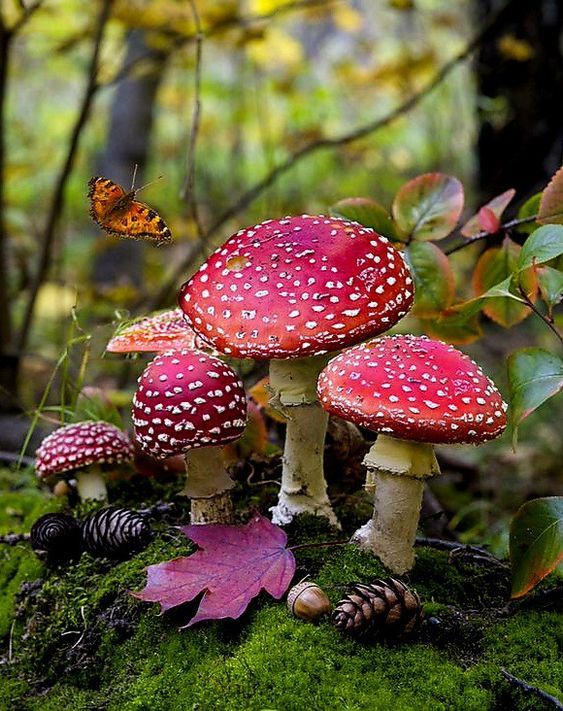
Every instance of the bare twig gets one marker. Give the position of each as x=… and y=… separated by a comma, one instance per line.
x=188, y=188
x=476, y=554
x=12, y=539
x=302, y=546
x=247, y=198
x=484, y=233
x=57, y=202
x=5, y=316
x=25, y=16
x=532, y=690
x=13, y=457
x=546, y=319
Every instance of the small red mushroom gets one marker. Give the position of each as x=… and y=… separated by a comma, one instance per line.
x=415, y=392
x=291, y=291
x=81, y=448
x=158, y=332
x=193, y=403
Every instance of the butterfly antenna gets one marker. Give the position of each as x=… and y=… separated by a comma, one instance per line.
x=146, y=185
x=134, y=176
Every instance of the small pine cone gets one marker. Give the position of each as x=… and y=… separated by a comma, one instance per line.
x=56, y=536
x=113, y=532
x=385, y=608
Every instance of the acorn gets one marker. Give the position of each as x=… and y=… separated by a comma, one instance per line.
x=308, y=601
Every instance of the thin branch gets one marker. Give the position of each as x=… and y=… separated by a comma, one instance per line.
x=58, y=199
x=495, y=21
x=548, y=322
x=25, y=17
x=5, y=316
x=484, y=234
x=188, y=188
x=532, y=690
x=12, y=539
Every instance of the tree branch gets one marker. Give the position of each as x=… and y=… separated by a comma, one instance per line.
x=532, y=690
x=490, y=28
x=58, y=199
x=188, y=188
x=25, y=16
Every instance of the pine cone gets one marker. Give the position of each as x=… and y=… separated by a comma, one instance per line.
x=385, y=608
x=56, y=536
x=113, y=532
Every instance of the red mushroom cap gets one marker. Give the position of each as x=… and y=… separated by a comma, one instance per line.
x=297, y=287
x=81, y=444
x=159, y=332
x=187, y=399
x=413, y=388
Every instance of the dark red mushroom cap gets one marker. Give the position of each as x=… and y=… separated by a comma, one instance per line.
x=159, y=332
x=187, y=399
x=413, y=388
x=297, y=287
x=81, y=444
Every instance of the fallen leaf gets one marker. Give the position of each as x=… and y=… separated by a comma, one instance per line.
x=233, y=564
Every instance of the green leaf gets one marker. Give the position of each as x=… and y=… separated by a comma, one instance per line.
x=551, y=203
x=551, y=286
x=536, y=542
x=534, y=375
x=429, y=206
x=529, y=209
x=542, y=245
x=367, y=212
x=433, y=276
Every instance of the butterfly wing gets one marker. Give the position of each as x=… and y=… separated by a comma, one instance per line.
x=116, y=212
x=139, y=221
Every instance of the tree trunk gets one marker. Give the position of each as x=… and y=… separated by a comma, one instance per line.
x=127, y=145
x=521, y=107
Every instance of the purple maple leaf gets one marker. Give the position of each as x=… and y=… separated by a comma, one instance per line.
x=233, y=565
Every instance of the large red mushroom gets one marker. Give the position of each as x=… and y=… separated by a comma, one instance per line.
x=292, y=291
x=415, y=392
x=82, y=449
x=190, y=402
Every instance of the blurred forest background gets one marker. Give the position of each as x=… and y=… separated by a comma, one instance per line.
x=253, y=109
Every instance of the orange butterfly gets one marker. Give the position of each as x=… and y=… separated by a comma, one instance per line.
x=118, y=213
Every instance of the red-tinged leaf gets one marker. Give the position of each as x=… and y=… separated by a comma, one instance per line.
x=233, y=564
x=493, y=267
x=433, y=276
x=551, y=203
x=428, y=207
x=488, y=217
x=536, y=542
x=488, y=221
x=367, y=212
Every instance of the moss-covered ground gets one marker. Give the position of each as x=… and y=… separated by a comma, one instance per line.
x=74, y=639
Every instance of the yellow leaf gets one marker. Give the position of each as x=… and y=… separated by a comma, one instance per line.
x=517, y=49
x=276, y=50
x=346, y=18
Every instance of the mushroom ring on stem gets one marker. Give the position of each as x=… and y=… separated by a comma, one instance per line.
x=415, y=392
x=291, y=291
x=193, y=403
x=80, y=449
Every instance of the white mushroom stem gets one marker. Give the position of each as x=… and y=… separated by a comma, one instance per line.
x=91, y=485
x=207, y=485
x=303, y=488
x=396, y=471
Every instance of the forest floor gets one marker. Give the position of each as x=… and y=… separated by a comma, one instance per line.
x=74, y=638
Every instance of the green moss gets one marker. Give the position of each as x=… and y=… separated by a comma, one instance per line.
x=81, y=641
